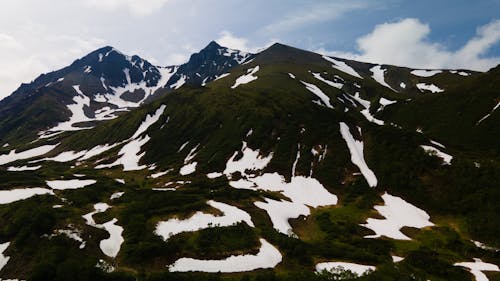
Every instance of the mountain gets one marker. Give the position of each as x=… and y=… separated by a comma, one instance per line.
x=291, y=163
x=99, y=87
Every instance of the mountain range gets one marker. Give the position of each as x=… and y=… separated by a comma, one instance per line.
x=279, y=165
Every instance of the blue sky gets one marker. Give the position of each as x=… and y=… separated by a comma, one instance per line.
x=40, y=36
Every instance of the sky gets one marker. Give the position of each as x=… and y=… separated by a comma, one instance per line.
x=41, y=36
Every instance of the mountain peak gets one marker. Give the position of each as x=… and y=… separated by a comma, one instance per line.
x=213, y=45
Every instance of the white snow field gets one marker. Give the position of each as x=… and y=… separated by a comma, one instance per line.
x=13, y=195
x=317, y=92
x=425, y=73
x=357, y=157
x=432, y=150
x=69, y=184
x=342, y=66
x=231, y=215
x=246, y=78
x=30, y=153
x=379, y=76
x=477, y=267
x=267, y=257
x=397, y=213
x=429, y=87
x=110, y=246
x=358, y=269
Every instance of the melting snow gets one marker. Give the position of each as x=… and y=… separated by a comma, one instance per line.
x=3, y=259
x=397, y=213
x=160, y=174
x=358, y=269
x=96, y=151
x=342, y=66
x=110, y=246
x=222, y=76
x=366, y=112
x=34, y=152
x=267, y=257
x=302, y=192
x=429, y=87
x=378, y=75
x=357, y=157
x=231, y=215
x=179, y=82
x=425, y=73
x=397, y=258
x=251, y=160
x=331, y=83
x=74, y=234
x=150, y=120
x=477, y=267
x=23, y=168
x=116, y=195
x=317, y=92
x=69, y=184
x=130, y=156
x=246, y=78
x=188, y=169
x=432, y=150
x=214, y=175
x=291, y=75
x=488, y=115
x=13, y=195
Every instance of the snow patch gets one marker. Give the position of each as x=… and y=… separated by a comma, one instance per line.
x=477, y=267
x=267, y=257
x=342, y=66
x=357, y=157
x=489, y=114
x=231, y=215
x=429, y=87
x=246, y=78
x=355, y=268
x=317, y=92
x=425, y=73
x=3, y=259
x=251, y=160
x=13, y=195
x=328, y=82
x=397, y=213
x=432, y=150
x=30, y=153
x=110, y=246
x=379, y=76
x=23, y=168
x=69, y=184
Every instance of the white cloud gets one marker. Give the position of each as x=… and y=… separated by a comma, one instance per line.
x=32, y=50
x=310, y=14
x=135, y=7
x=406, y=43
x=227, y=39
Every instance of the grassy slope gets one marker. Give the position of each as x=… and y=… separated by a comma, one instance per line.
x=218, y=118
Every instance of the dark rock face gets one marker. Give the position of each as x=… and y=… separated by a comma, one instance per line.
x=206, y=65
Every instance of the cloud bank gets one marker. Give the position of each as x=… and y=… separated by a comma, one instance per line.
x=405, y=43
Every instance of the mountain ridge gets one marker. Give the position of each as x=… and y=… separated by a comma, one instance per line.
x=291, y=163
